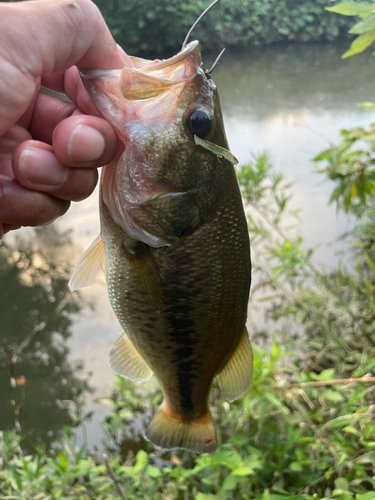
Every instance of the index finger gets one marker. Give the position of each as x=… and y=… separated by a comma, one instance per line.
x=40, y=38
x=56, y=82
x=60, y=34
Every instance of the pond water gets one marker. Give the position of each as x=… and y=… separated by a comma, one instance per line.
x=289, y=100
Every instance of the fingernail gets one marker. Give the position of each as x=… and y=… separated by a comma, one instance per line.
x=38, y=166
x=85, y=144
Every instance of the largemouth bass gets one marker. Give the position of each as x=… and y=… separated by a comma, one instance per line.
x=175, y=241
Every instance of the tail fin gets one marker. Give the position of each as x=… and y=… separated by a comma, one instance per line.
x=168, y=430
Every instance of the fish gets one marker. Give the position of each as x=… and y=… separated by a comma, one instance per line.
x=174, y=242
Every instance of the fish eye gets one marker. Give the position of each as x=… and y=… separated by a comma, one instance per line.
x=199, y=123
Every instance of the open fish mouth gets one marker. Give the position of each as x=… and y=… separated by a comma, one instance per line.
x=155, y=93
x=163, y=73
x=191, y=48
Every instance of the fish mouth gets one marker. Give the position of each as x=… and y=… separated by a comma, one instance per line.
x=154, y=93
x=151, y=66
x=147, y=66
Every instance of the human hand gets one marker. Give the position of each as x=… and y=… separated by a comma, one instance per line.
x=50, y=149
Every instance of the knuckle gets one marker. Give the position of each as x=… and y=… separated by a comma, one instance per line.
x=79, y=13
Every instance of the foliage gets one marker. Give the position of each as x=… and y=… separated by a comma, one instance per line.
x=159, y=28
x=281, y=441
x=339, y=335
x=365, y=29
x=351, y=164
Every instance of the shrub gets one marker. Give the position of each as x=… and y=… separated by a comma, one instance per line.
x=159, y=28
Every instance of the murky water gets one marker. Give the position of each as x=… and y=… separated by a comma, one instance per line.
x=290, y=100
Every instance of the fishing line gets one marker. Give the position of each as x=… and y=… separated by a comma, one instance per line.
x=196, y=22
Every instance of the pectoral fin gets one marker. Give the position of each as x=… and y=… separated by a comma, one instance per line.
x=88, y=265
x=126, y=361
x=235, y=378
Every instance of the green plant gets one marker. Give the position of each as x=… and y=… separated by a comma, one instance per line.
x=341, y=334
x=365, y=29
x=286, y=438
x=159, y=28
x=351, y=165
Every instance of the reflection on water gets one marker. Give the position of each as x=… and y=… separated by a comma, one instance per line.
x=290, y=100
x=288, y=78
x=37, y=313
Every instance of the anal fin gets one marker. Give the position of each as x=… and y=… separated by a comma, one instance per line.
x=125, y=360
x=235, y=378
x=168, y=431
x=88, y=265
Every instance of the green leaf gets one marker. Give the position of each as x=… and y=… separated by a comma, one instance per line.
x=324, y=155
x=243, y=471
x=331, y=395
x=326, y=374
x=342, y=459
x=63, y=461
x=352, y=9
x=360, y=44
x=141, y=460
x=230, y=482
x=366, y=105
x=336, y=193
x=58, y=493
x=337, y=423
x=153, y=472
x=369, y=262
x=274, y=496
x=366, y=496
x=204, y=496
x=351, y=430
x=342, y=484
x=366, y=459
x=296, y=467
x=363, y=26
